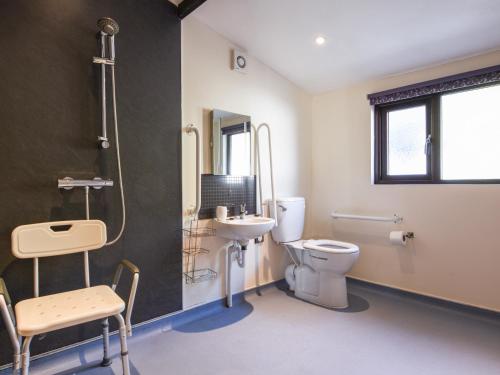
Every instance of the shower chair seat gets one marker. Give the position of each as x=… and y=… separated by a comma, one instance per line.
x=45, y=314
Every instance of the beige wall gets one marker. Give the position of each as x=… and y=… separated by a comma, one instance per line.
x=456, y=252
x=208, y=83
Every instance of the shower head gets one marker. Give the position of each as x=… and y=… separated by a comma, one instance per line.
x=108, y=26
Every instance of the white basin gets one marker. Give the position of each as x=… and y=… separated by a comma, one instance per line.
x=243, y=230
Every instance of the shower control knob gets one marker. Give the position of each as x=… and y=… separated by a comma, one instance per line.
x=104, y=143
x=65, y=183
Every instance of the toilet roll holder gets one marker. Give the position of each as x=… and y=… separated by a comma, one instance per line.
x=409, y=235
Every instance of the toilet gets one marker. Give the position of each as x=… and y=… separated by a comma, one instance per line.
x=320, y=266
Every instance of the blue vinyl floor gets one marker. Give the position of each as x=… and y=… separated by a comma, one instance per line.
x=275, y=333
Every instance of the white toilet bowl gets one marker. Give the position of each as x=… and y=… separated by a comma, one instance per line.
x=320, y=275
x=320, y=266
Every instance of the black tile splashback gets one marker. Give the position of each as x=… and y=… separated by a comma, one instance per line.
x=229, y=191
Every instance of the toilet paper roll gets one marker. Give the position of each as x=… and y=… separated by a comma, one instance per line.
x=398, y=238
x=221, y=213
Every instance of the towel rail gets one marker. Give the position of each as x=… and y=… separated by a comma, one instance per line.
x=396, y=219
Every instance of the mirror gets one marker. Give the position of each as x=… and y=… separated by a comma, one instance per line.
x=231, y=144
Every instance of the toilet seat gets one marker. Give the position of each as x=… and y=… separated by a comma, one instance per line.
x=331, y=246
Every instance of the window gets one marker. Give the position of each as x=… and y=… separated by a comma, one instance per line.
x=470, y=134
x=445, y=137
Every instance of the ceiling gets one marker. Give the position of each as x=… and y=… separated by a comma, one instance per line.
x=365, y=39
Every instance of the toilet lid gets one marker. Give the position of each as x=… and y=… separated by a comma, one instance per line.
x=331, y=246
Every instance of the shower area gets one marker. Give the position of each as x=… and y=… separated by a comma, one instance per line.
x=59, y=132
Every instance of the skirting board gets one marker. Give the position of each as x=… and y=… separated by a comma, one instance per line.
x=426, y=298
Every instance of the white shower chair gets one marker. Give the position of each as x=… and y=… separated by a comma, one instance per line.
x=41, y=315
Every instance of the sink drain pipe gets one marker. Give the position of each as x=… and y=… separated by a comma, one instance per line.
x=240, y=251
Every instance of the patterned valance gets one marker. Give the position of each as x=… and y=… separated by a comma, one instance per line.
x=457, y=81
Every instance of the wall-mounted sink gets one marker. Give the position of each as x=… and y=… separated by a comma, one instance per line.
x=243, y=230
x=240, y=231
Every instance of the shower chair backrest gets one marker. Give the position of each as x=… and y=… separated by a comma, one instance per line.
x=58, y=238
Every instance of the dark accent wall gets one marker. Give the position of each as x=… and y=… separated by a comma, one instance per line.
x=229, y=191
x=50, y=120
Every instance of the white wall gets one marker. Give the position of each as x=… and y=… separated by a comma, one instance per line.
x=456, y=252
x=208, y=83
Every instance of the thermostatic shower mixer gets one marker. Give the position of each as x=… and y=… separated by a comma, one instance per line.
x=69, y=183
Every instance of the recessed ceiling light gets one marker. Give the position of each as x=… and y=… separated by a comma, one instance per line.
x=320, y=40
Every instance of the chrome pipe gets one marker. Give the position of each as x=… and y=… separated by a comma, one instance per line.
x=106, y=361
x=240, y=259
x=86, y=263
x=87, y=203
x=229, y=294
x=36, y=278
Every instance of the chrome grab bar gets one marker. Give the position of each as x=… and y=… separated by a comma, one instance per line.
x=259, y=174
x=396, y=219
x=193, y=129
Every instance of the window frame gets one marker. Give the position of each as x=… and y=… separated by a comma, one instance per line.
x=433, y=104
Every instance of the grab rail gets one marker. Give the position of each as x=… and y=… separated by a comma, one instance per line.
x=193, y=129
x=396, y=219
x=257, y=148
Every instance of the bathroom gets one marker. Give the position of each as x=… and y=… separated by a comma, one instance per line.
x=421, y=279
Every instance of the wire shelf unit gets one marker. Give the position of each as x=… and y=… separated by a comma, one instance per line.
x=192, y=249
x=201, y=275
x=195, y=232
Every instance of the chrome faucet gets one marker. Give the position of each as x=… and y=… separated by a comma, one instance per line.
x=243, y=211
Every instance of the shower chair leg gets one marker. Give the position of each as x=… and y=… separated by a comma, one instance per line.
x=25, y=356
x=16, y=364
x=106, y=361
x=123, y=344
